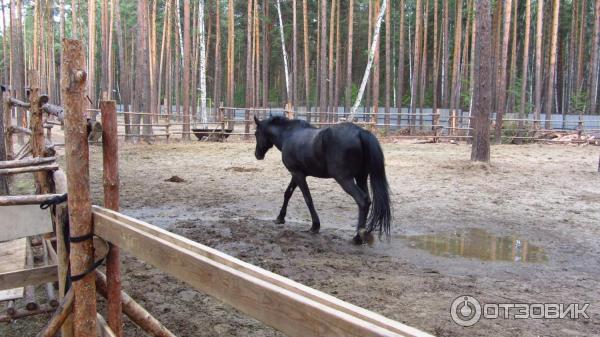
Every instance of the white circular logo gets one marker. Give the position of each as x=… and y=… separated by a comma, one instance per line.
x=465, y=310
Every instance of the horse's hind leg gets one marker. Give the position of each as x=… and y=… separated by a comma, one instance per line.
x=362, y=200
x=286, y=198
x=300, y=180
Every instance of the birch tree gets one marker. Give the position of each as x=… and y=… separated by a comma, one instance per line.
x=285, y=63
x=202, y=116
x=363, y=84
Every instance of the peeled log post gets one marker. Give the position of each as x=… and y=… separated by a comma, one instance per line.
x=59, y=317
x=50, y=293
x=21, y=313
x=6, y=109
x=73, y=83
x=18, y=103
x=134, y=311
x=110, y=152
x=42, y=183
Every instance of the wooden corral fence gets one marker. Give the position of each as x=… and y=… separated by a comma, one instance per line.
x=424, y=123
x=288, y=306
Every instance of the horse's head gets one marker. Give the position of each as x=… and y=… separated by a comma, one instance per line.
x=263, y=142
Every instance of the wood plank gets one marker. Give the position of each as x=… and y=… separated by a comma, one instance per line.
x=23, y=220
x=285, y=310
x=34, y=276
x=12, y=257
x=264, y=275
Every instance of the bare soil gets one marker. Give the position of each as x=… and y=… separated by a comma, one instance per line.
x=546, y=196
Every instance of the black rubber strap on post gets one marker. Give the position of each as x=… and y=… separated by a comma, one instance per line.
x=54, y=201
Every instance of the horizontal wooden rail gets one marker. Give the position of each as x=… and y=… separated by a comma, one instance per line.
x=27, y=169
x=26, y=162
x=288, y=306
x=24, y=277
x=33, y=199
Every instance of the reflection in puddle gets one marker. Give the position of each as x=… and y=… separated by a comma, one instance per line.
x=479, y=244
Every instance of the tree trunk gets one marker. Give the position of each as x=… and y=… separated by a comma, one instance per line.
x=400, y=81
x=249, y=73
x=202, y=44
x=217, y=77
x=266, y=51
x=330, y=58
x=416, y=66
x=552, y=69
x=436, y=60
x=423, y=73
x=502, y=64
x=17, y=66
x=527, y=34
x=294, y=99
x=284, y=54
x=124, y=92
x=363, y=84
x=230, y=52
x=323, y=64
x=376, y=76
x=187, y=62
x=483, y=75
x=142, y=80
x=538, y=63
x=594, y=73
x=513, y=60
x=350, y=41
x=455, y=93
x=445, y=55
x=91, y=75
x=338, y=64
x=105, y=27
x=388, y=64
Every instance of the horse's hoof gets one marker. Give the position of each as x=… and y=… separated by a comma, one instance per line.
x=313, y=230
x=365, y=236
x=279, y=221
x=357, y=240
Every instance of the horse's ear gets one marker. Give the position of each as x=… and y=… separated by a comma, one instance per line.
x=256, y=120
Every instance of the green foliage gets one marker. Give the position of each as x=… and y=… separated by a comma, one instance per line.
x=579, y=101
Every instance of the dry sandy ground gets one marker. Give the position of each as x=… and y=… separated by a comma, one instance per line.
x=535, y=204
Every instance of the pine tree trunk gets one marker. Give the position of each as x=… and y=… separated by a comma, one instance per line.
x=539, y=60
x=388, y=65
x=423, y=73
x=502, y=64
x=187, y=61
x=323, y=64
x=306, y=56
x=552, y=69
x=124, y=92
x=455, y=93
x=350, y=41
x=513, y=59
x=594, y=73
x=203, y=117
x=91, y=73
x=266, y=51
x=436, y=61
x=230, y=52
x=294, y=54
x=445, y=85
x=217, y=76
x=416, y=66
x=142, y=74
x=483, y=75
x=527, y=35
x=376, y=76
x=331, y=59
x=105, y=53
x=400, y=81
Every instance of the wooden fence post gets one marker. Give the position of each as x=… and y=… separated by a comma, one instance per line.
x=37, y=130
x=73, y=86
x=7, y=109
x=110, y=152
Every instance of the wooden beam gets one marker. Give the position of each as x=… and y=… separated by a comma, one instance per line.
x=285, y=310
x=22, y=313
x=136, y=313
x=102, y=327
x=27, y=169
x=59, y=317
x=36, y=199
x=264, y=275
x=31, y=276
x=26, y=162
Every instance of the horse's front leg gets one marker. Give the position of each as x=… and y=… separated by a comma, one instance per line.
x=300, y=179
x=286, y=198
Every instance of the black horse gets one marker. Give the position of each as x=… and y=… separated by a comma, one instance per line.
x=344, y=152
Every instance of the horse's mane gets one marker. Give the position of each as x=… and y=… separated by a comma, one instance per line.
x=289, y=123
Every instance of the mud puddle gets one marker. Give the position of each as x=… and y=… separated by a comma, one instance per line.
x=477, y=243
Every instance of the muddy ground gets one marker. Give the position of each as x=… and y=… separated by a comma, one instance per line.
x=527, y=227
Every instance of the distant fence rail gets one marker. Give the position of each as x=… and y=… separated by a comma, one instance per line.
x=424, y=123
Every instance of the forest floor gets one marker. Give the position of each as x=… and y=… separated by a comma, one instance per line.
x=524, y=229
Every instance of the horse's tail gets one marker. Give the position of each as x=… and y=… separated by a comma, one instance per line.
x=380, y=216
